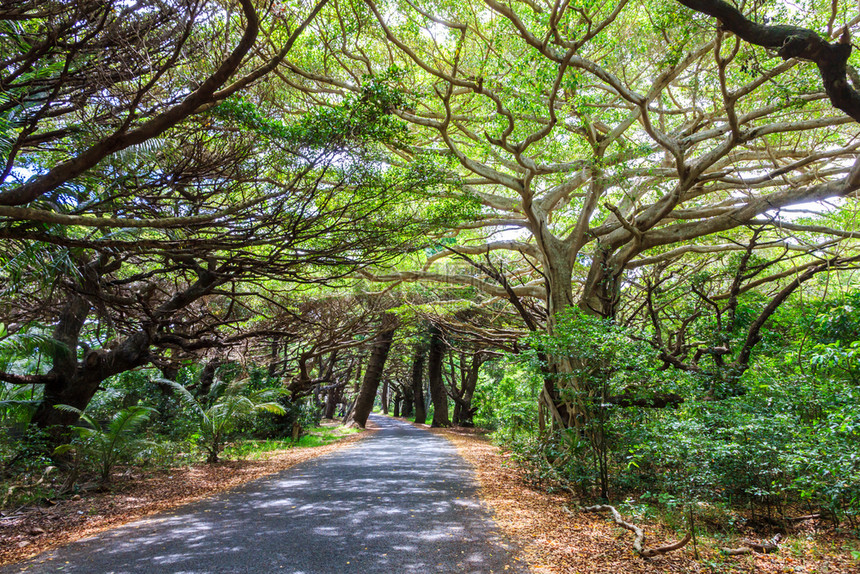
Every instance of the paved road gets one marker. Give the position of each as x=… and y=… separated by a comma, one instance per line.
x=400, y=501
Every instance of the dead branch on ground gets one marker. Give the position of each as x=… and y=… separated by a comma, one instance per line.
x=749, y=546
x=639, y=535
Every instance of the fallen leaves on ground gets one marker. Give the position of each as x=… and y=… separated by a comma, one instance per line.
x=555, y=538
x=133, y=494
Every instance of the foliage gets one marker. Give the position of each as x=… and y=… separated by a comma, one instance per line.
x=21, y=353
x=274, y=425
x=27, y=473
x=633, y=196
x=790, y=439
x=169, y=421
x=362, y=119
x=17, y=404
x=222, y=410
x=506, y=397
x=605, y=361
x=105, y=445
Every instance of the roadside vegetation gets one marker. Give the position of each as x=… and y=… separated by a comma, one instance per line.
x=119, y=432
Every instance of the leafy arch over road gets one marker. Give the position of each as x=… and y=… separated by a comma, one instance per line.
x=131, y=254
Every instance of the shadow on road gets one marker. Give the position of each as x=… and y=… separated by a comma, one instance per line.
x=401, y=500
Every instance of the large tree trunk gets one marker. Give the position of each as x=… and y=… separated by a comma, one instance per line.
x=77, y=389
x=207, y=379
x=398, y=401
x=457, y=392
x=333, y=398
x=418, y=385
x=437, y=385
x=407, y=408
x=73, y=382
x=577, y=402
x=373, y=372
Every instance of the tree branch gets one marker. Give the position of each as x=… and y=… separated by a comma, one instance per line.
x=793, y=42
x=14, y=379
x=120, y=140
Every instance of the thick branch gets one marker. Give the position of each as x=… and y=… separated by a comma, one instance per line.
x=120, y=140
x=14, y=379
x=792, y=42
x=754, y=333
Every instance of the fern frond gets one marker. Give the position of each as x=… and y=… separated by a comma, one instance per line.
x=82, y=416
x=184, y=395
x=274, y=408
x=22, y=346
x=129, y=420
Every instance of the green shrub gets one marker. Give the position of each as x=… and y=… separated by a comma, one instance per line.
x=105, y=446
x=223, y=411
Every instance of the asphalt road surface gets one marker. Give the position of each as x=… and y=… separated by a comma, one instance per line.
x=399, y=501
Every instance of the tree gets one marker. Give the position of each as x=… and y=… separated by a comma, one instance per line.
x=435, y=357
x=464, y=392
x=180, y=289
x=164, y=68
x=796, y=42
x=417, y=386
x=600, y=161
x=373, y=372
x=162, y=251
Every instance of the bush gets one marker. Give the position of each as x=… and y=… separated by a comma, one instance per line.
x=223, y=411
x=27, y=473
x=105, y=446
x=273, y=425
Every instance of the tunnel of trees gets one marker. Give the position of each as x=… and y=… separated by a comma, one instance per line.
x=619, y=234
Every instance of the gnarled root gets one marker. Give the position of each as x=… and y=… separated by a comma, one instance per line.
x=638, y=534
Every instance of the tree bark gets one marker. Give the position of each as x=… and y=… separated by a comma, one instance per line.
x=418, y=384
x=74, y=382
x=437, y=385
x=334, y=397
x=207, y=377
x=77, y=389
x=793, y=42
x=373, y=372
x=464, y=412
x=385, y=397
x=398, y=400
x=407, y=409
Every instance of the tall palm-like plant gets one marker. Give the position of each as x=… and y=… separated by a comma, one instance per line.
x=228, y=404
x=107, y=445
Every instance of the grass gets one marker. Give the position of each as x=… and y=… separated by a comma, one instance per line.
x=260, y=449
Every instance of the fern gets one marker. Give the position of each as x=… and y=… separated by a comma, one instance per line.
x=228, y=403
x=18, y=351
x=106, y=446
